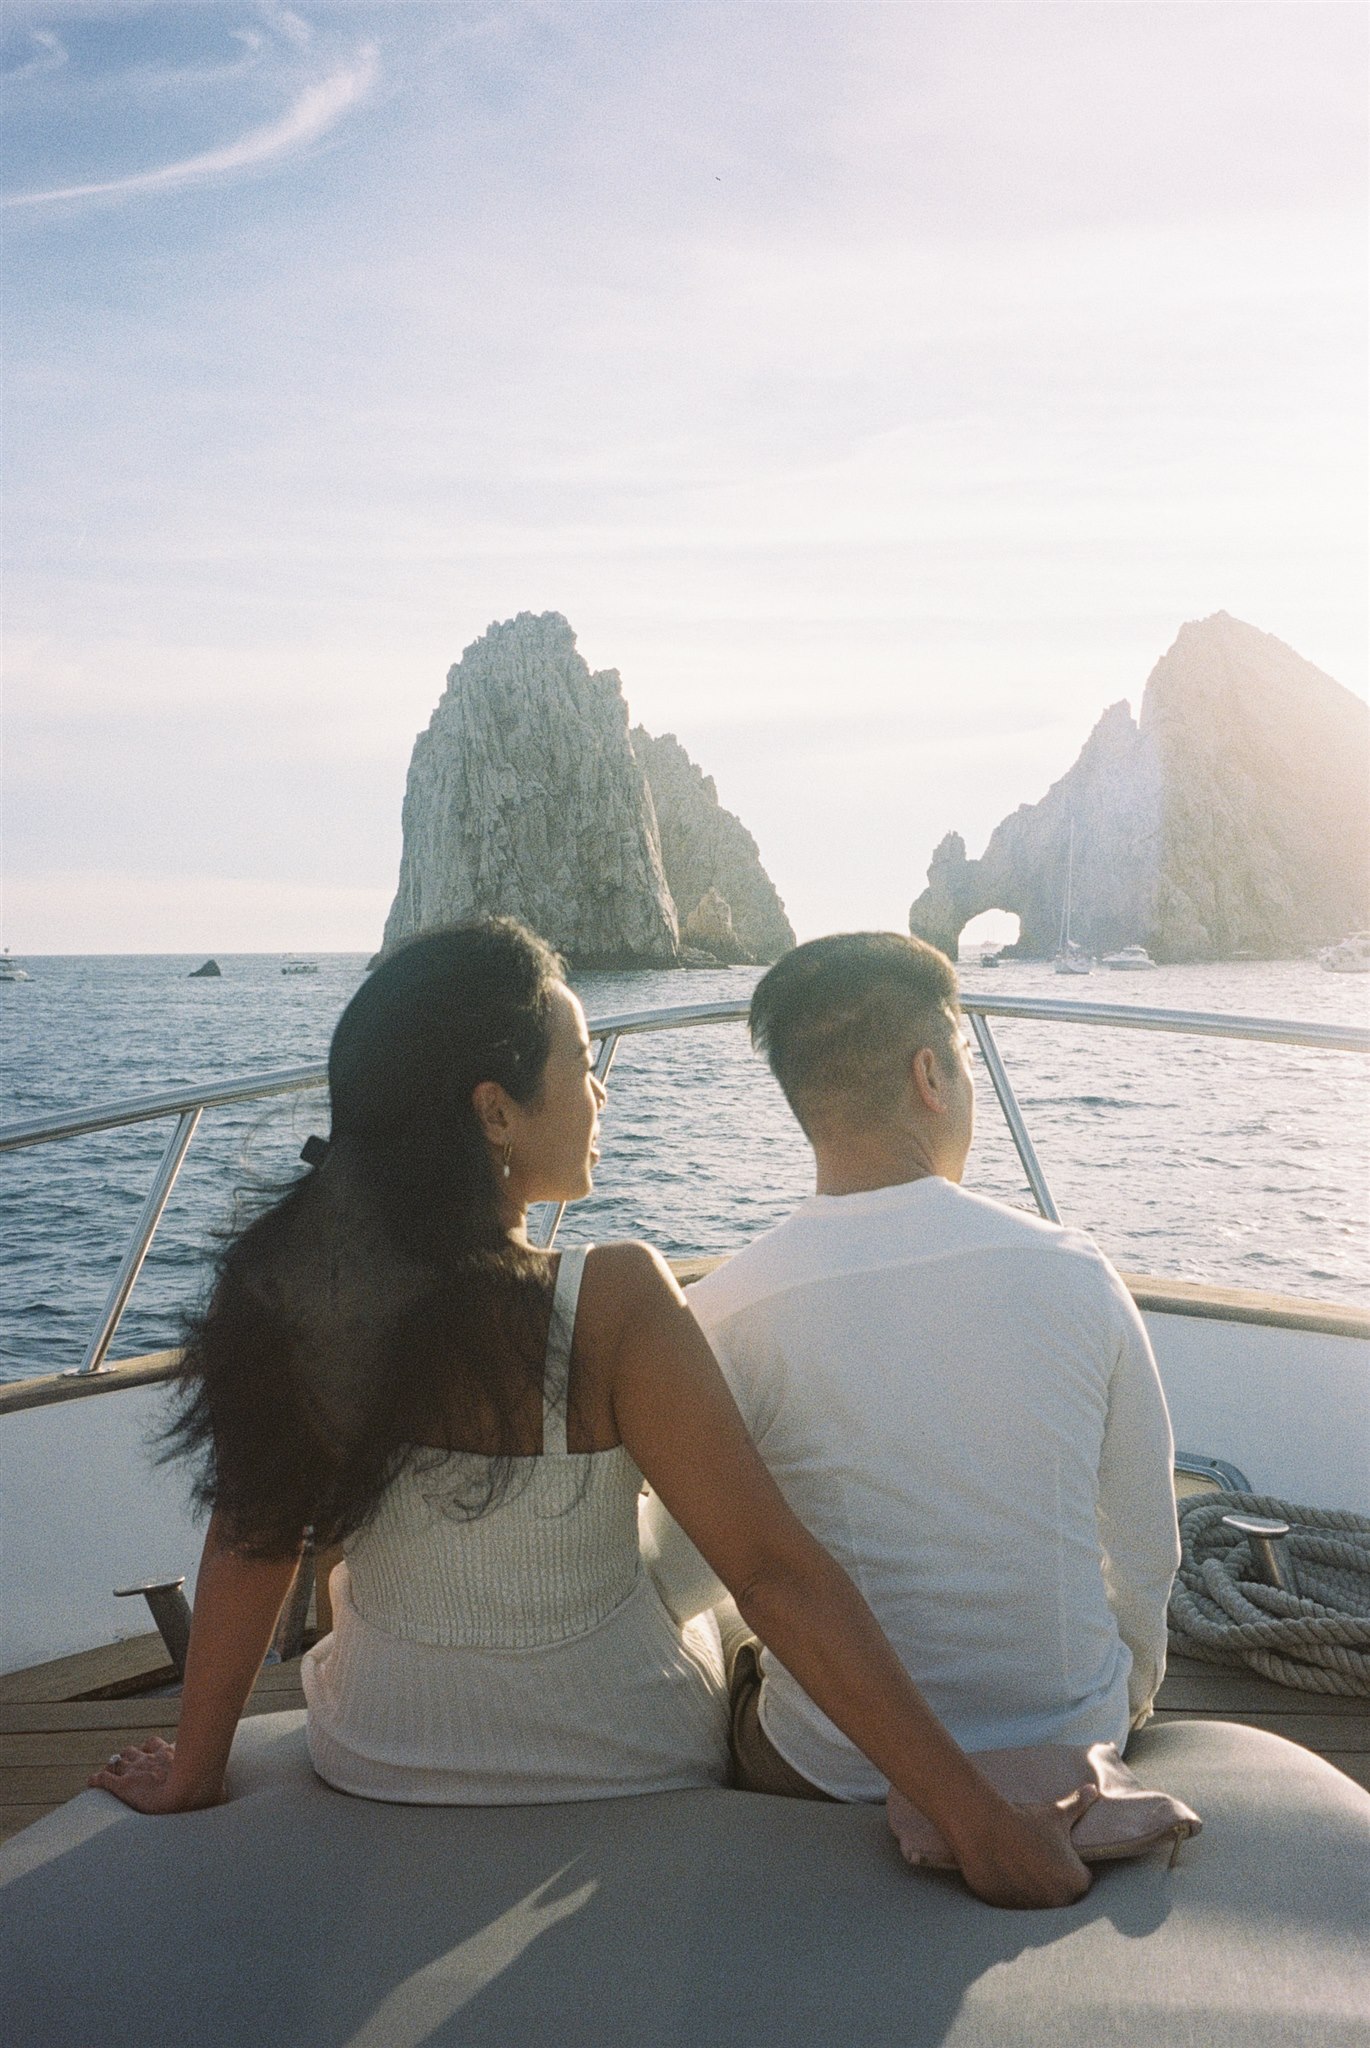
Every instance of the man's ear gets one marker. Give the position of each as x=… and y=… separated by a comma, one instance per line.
x=929, y=1086
x=492, y=1107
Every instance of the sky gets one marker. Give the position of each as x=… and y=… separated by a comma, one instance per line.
x=878, y=388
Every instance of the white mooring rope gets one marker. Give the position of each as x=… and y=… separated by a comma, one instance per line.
x=1317, y=1638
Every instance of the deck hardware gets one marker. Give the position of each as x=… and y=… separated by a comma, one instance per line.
x=170, y=1611
x=1268, y=1553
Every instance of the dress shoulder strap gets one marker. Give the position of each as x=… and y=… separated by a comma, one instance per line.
x=557, y=1370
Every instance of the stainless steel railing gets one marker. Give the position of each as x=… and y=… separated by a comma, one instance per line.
x=188, y=1105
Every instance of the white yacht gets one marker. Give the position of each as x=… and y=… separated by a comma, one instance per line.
x=1129, y=960
x=300, y=967
x=299, y=1916
x=11, y=969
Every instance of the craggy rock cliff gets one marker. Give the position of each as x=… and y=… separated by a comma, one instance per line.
x=525, y=799
x=708, y=853
x=1232, y=817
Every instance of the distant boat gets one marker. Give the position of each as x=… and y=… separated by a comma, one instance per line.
x=12, y=970
x=1131, y=960
x=1351, y=956
x=1070, y=958
x=300, y=967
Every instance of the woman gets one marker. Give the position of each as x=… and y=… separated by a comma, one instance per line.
x=387, y=1360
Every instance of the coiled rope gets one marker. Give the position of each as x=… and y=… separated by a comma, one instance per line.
x=1317, y=1638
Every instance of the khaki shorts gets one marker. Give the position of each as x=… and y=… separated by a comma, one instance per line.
x=757, y=1765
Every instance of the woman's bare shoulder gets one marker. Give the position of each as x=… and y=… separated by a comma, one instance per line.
x=624, y=1281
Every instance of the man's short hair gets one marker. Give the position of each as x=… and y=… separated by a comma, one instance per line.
x=839, y=1020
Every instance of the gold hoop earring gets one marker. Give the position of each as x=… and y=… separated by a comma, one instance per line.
x=508, y=1155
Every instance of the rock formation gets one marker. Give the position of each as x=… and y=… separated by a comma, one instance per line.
x=708, y=853
x=525, y=799
x=211, y=971
x=1231, y=818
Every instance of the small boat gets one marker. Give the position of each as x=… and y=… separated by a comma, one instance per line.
x=1130, y=960
x=300, y=967
x=1351, y=956
x=11, y=970
x=1070, y=957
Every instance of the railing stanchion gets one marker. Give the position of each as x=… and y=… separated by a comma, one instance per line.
x=94, y=1360
x=544, y=1231
x=1013, y=1116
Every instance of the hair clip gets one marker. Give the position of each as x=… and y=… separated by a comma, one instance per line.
x=314, y=1151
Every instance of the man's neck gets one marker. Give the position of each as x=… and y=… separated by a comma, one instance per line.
x=860, y=1168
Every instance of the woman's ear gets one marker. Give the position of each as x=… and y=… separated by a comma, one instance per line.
x=492, y=1107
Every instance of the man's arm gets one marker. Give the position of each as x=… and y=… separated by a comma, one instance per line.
x=1137, y=1528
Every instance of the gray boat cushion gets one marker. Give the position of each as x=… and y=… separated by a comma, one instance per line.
x=297, y=1916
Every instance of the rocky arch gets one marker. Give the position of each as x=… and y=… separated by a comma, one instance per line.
x=992, y=934
x=959, y=890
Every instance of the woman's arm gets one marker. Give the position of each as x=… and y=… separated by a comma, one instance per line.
x=677, y=1418
x=237, y=1602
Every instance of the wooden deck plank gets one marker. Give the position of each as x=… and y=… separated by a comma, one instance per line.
x=137, y=1660
x=128, y=1669
x=32, y=1717
x=77, y=1740
x=161, y=1711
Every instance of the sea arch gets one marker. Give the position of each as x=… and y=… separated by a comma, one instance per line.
x=988, y=932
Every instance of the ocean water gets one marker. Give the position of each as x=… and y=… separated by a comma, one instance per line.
x=1244, y=1165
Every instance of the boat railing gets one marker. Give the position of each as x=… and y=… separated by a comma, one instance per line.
x=187, y=1106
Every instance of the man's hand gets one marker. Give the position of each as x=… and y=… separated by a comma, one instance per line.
x=1025, y=1857
x=144, y=1778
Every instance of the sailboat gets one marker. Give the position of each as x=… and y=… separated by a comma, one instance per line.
x=1070, y=958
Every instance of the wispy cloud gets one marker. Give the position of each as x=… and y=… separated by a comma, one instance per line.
x=318, y=108
x=48, y=55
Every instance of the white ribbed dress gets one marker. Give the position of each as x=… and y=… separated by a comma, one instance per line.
x=518, y=1655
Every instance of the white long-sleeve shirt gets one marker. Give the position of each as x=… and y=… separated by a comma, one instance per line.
x=961, y=1403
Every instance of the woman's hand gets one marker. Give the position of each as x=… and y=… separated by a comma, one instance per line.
x=1023, y=1855
x=144, y=1778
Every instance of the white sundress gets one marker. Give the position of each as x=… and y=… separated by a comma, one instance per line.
x=519, y=1655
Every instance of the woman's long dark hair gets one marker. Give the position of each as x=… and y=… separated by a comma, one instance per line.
x=379, y=1304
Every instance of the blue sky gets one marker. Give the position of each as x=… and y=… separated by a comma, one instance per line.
x=878, y=388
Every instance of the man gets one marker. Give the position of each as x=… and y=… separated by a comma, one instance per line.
x=957, y=1398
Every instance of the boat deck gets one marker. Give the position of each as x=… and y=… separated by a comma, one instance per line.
x=59, y=1721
